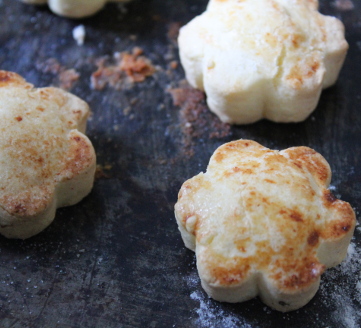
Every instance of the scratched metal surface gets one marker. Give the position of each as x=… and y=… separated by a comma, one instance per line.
x=116, y=259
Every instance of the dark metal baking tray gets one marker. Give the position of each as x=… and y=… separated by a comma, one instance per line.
x=116, y=259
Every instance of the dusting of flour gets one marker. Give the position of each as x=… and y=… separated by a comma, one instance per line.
x=339, y=293
x=342, y=287
x=208, y=312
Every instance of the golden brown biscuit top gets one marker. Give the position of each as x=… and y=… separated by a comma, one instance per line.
x=40, y=144
x=262, y=58
x=260, y=211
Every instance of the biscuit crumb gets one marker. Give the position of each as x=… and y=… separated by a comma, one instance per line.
x=195, y=119
x=173, y=31
x=344, y=5
x=100, y=174
x=79, y=34
x=136, y=67
x=127, y=110
x=64, y=77
x=128, y=68
x=67, y=78
x=50, y=65
x=173, y=64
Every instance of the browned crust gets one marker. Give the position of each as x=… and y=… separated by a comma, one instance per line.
x=344, y=217
x=12, y=79
x=294, y=266
x=314, y=162
x=78, y=154
x=301, y=72
x=27, y=204
x=237, y=147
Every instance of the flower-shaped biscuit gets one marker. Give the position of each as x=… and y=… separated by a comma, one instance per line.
x=262, y=58
x=73, y=8
x=262, y=222
x=46, y=161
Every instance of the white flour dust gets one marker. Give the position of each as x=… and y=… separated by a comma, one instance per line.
x=341, y=290
x=208, y=312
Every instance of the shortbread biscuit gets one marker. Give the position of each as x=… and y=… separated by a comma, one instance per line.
x=262, y=222
x=73, y=8
x=262, y=58
x=46, y=161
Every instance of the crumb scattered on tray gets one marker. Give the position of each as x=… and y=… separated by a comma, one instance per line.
x=67, y=78
x=137, y=67
x=104, y=75
x=173, y=31
x=50, y=65
x=127, y=110
x=195, y=118
x=128, y=68
x=64, y=77
x=79, y=34
x=344, y=5
x=99, y=172
x=173, y=64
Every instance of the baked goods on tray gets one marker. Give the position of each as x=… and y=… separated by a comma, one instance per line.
x=262, y=222
x=73, y=8
x=262, y=58
x=46, y=161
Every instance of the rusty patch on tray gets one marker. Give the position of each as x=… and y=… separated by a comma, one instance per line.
x=196, y=120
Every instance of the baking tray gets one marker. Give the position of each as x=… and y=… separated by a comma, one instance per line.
x=116, y=259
